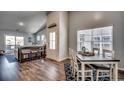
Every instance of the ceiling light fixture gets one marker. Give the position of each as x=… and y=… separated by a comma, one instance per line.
x=97, y=16
x=21, y=23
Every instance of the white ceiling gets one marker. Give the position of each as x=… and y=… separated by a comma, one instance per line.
x=33, y=20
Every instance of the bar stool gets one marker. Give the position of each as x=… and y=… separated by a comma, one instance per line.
x=25, y=54
x=40, y=54
x=34, y=54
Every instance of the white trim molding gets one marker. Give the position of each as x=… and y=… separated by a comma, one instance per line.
x=63, y=59
x=122, y=69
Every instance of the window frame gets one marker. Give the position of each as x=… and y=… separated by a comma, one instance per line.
x=38, y=38
x=52, y=40
x=101, y=35
x=15, y=43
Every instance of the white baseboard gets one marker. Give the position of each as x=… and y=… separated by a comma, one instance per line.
x=59, y=60
x=122, y=69
x=63, y=59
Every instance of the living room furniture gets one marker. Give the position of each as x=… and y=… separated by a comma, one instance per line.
x=2, y=52
x=99, y=60
x=96, y=51
x=77, y=71
x=25, y=54
x=31, y=52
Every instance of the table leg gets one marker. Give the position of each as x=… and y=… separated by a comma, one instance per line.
x=83, y=71
x=111, y=72
x=115, y=76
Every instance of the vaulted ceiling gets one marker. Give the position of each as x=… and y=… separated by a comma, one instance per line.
x=27, y=21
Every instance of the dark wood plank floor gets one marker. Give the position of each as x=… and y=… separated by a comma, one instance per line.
x=8, y=71
x=45, y=69
x=37, y=70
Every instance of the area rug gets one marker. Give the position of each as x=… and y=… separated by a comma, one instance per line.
x=11, y=58
x=69, y=72
x=71, y=77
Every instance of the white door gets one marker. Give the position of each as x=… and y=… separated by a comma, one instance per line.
x=52, y=44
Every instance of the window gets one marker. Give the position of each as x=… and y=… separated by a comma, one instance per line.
x=10, y=42
x=95, y=38
x=52, y=40
x=19, y=41
x=38, y=38
x=43, y=39
x=13, y=42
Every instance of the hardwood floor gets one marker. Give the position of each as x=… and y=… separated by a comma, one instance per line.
x=37, y=70
x=45, y=69
x=8, y=71
x=121, y=75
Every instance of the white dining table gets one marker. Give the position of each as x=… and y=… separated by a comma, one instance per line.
x=99, y=60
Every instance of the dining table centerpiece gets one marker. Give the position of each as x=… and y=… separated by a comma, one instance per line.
x=84, y=52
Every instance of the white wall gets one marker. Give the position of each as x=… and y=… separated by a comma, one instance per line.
x=87, y=20
x=61, y=19
x=2, y=41
x=42, y=32
x=3, y=33
x=53, y=17
x=63, y=35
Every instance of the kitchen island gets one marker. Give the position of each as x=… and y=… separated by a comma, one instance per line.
x=30, y=52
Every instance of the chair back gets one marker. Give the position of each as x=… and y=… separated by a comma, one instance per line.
x=96, y=51
x=73, y=59
x=71, y=56
x=107, y=53
x=75, y=63
x=70, y=53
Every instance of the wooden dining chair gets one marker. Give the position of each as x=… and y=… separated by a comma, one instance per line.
x=96, y=51
x=105, y=72
x=102, y=72
x=71, y=56
x=107, y=53
x=77, y=71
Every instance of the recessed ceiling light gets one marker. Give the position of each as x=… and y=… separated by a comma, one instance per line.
x=97, y=16
x=21, y=23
